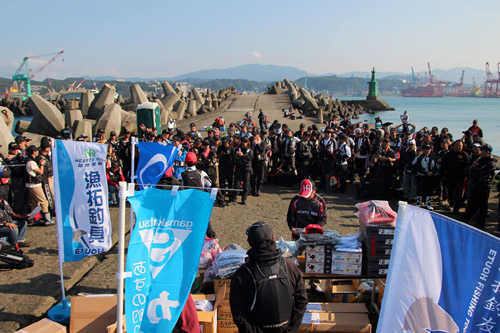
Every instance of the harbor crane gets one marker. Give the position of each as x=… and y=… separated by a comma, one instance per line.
x=25, y=76
x=491, y=85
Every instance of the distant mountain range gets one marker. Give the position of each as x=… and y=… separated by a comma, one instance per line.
x=271, y=73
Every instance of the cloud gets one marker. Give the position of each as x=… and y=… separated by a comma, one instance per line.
x=256, y=55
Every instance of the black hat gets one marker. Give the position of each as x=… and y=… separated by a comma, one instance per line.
x=245, y=139
x=260, y=235
x=45, y=142
x=206, y=142
x=192, y=124
x=198, y=140
x=164, y=131
x=115, y=165
x=263, y=132
x=21, y=138
x=126, y=131
x=176, y=138
x=315, y=127
x=487, y=148
x=112, y=133
x=366, y=126
x=237, y=136
x=31, y=149
x=302, y=125
x=217, y=137
x=306, y=134
x=284, y=125
x=101, y=130
x=13, y=146
x=426, y=146
x=386, y=140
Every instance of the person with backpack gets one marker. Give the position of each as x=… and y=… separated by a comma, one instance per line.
x=268, y=293
x=193, y=177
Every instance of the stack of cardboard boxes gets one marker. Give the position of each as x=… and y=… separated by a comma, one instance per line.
x=323, y=259
x=336, y=317
x=377, y=248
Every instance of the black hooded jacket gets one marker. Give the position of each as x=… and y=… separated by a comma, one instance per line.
x=243, y=291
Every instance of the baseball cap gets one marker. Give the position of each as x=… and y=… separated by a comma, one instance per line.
x=101, y=130
x=260, y=235
x=31, y=149
x=245, y=139
x=477, y=144
x=192, y=124
x=426, y=146
x=112, y=133
x=358, y=131
x=411, y=142
x=206, y=142
x=306, y=188
x=83, y=135
x=13, y=146
x=21, y=138
x=487, y=148
x=45, y=142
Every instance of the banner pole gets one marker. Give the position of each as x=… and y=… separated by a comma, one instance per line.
x=132, y=180
x=121, y=257
x=61, y=312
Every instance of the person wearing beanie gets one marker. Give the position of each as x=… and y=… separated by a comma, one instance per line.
x=268, y=293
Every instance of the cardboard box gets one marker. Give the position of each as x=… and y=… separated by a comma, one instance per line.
x=337, y=307
x=347, y=257
x=346, y=269
x=315, y=248
x=315, y=257
x=92, y=313
x=315, y=268
x=208, y=319
x=43, y=326
x=225, y=321
x=335, y=322
x=112, y=328
x=376, y=230
x=219, y=283
x=344, y=293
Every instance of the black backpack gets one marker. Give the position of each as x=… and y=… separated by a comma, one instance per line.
x=16, y=259
x=271, y=312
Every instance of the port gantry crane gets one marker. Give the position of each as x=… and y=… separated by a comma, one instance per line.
x=491, y=85
x=25, y=76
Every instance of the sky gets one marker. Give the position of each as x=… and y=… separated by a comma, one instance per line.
x=168, y=38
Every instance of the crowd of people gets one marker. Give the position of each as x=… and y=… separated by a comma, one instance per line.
x=388, y=162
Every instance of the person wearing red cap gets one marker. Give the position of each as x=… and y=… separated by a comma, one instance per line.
x=306, y=208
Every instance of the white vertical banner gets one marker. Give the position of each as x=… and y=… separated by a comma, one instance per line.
x=81, y=199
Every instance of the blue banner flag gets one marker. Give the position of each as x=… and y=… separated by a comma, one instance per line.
x=444, y=276
x=81, y=199
x=163, y=255
x=154, y=160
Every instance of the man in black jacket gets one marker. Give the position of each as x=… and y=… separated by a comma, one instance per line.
x=481, y=173
x=243, y=157
x=257, y=308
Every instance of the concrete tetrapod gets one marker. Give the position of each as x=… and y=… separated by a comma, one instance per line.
x=84, y=126
x=5, y=138
x=167, y=88
x=138, y=95
x=70, y=116
x=86, y=99
x=47, y=119
x=7, y=116
x=169, y=101
x=111, y=119
x=21, y=126
x=198, y=97
x=105, y=97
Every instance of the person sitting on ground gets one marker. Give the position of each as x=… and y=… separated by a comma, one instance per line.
x=9, y=217
x=9, y=230
x=268, y=293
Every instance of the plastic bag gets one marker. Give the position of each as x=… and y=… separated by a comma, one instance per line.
x=349, y=243
x=206, y=259
x=211, y=245
x=204, y=305
x=376, y=212
x=232, y=246
x=227, y=262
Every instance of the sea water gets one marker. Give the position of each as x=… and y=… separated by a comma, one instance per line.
x=455, y=113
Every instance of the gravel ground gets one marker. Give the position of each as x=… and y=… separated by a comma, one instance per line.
x=26, y=295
